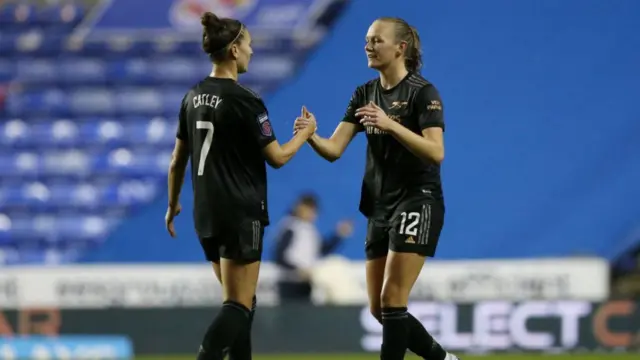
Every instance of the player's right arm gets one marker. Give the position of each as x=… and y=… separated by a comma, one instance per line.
x=275, y=154
x=278, y=155
x=331, y=149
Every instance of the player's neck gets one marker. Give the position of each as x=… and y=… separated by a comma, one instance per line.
x=224, y=71
x=391, y=76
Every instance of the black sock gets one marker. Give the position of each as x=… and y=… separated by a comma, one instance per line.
x=241, y=348
x=395, y=333
x=232, y=320
x=422, y=343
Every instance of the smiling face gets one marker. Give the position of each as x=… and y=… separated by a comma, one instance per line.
x=382, y=47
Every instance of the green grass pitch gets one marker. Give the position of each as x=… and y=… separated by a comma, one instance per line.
x=470, y=357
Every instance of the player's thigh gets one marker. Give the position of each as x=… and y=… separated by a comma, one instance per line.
x=241, y=253
x=239, y=280
x=414, y=234
x=416, y=227
x=375, y=277
x=376, y=249
x=218, y=272
x=401, y=272
x=211, y=247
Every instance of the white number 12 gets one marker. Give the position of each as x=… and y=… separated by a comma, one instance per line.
x=410, y=229
x=206, y=145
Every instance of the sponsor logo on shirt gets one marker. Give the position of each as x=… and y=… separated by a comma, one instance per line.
x=434, y=105
x=398, y=105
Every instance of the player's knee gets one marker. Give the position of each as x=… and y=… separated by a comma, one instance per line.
x=376, y=312
x=245, y=300
x=240, y=295
x=393, y=295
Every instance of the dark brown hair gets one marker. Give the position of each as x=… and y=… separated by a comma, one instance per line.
x=308, y=199
x=218, y=34
x=409, y=34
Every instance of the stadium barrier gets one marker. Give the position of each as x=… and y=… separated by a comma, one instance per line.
x=489, y=326
x=471, y=306
x=337, y=281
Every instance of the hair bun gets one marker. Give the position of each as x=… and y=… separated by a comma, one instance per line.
x=218, y=33
x=211, y=21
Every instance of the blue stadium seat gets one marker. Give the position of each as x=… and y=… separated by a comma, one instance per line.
x=60, y=132
x=134, y=70
x=81, y=71
x=88, y=132
x=139, y=101
x=54, y=228
x=17, y=15
x=133, y=163
x=19, y=165
x=178, y=70
x=92, y=101
x=51, y=101
x=6, y=43
x=36, y=196
x=7, y=68
x=60, y=16
x=14, y=132
x=38, y=71
x=34, y=42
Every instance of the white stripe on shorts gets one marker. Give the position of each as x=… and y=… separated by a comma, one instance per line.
x=425, y=227
x=256, y=234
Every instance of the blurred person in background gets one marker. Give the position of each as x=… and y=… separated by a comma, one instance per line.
x=299, y=247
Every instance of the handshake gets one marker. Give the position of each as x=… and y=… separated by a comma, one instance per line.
x=305, y=124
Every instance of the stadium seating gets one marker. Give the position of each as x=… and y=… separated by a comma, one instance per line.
x=87, y=127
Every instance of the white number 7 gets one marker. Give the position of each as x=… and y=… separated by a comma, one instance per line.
x=206, y=145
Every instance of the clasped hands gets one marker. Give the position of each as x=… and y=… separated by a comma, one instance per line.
x=370, y=115
x=306, y=122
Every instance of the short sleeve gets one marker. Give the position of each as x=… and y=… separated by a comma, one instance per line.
x=182, y=133
x=350, y=114
x=259, y=123
x=429, y=108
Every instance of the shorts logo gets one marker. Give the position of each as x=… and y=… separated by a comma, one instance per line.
x=410, y=240
x=265, y=125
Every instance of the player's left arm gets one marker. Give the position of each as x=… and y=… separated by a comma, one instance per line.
x=429, y=146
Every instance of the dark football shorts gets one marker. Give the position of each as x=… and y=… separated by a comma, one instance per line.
x=240, y=242
x=414, y=227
